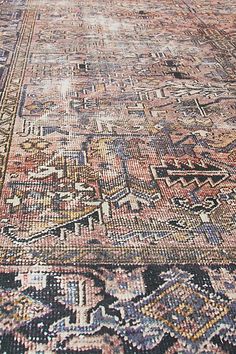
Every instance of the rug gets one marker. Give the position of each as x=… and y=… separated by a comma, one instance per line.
x=117, y=176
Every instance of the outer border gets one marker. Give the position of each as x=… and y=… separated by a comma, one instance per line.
x=10, y=98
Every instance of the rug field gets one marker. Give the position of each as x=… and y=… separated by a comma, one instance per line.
x=117, y=176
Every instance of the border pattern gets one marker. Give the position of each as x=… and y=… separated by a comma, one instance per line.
x=10, y=98
x=120, y=255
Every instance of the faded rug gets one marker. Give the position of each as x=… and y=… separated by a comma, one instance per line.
x=117, y=176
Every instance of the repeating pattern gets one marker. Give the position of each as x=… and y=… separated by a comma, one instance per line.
x=117, y=176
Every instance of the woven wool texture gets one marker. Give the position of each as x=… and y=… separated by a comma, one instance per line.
x=117, y=176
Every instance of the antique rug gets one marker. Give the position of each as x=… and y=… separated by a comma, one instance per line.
x=117, y=176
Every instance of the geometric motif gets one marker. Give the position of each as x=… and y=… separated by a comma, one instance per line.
x=17, y=309
x=189, y=172
x=178, y=311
